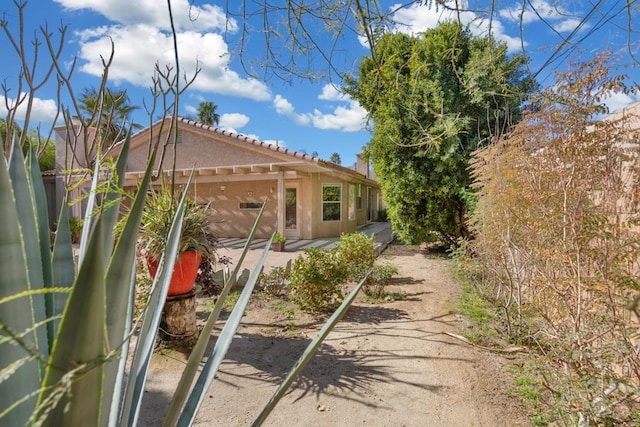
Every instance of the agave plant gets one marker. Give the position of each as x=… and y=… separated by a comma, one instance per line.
x=62, y=353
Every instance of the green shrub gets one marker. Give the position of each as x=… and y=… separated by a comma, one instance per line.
x=355, y=252
x=316, y=278
x=275, y=282
x=378, y=280
x=75, y=226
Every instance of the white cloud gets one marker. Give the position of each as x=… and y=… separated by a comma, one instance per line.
x=331, y=93
x=554, y=13
x=284, y=108
x=618, y=101
x=568, y=25
x=186, y=16
x=43, y=110
x=139, y=47
x=350, y=118
x=231, y=121
x=418, y=18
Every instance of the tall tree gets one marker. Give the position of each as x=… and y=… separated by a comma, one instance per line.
x=207, y=113
x=335, y=158
x=434, y=99
x=109, y=110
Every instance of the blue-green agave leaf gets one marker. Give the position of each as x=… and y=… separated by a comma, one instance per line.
x=151, y=320
x=42, y=223
x=121, y=284
x=63, y=268
x=194, y=402
x=195, y=358
x=87, y=223
x=113, y=197
x=16, y=317
x=77, y=361
x=25, y=204
x=309, y=352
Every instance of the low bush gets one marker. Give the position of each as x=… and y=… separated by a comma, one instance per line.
x=316, y=280
x=356, y=253
x=275, y=282
x=376, y=283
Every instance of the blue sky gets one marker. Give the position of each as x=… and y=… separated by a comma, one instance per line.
x=298, y=114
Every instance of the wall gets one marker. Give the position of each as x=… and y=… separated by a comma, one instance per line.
x=231, y=221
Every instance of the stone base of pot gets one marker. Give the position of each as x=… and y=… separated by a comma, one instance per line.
x=178, y=323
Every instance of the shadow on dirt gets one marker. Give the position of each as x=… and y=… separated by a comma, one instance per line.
x=374, y=314
x=345, y=373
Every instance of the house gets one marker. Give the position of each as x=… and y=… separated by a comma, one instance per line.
x=306, y=197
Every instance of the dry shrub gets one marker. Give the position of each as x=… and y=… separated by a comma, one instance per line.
x=556, y=230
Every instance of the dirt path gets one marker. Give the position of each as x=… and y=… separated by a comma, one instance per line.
x=384, y=365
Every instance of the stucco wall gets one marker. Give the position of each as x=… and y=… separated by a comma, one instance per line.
x=229, y=220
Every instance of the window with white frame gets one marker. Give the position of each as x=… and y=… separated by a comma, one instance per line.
x=331, y=201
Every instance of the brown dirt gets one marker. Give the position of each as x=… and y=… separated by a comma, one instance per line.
x=385, y=364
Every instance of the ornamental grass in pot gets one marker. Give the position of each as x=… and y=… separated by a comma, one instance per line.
x=195, y=239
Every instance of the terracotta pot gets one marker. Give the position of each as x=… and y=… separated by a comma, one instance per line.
x=184, y=274
x=277, y=246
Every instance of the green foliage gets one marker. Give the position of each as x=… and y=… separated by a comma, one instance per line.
x=434, y=99
x=157, y=218
x=355, y=251
x=335, y=158
x=46, y=150
x=376, y=283
x=207, y=113
x=275, y=282
x=47, y=157
x=316, y=280
x=279, y=238
x=108, y=110
x=75, y=227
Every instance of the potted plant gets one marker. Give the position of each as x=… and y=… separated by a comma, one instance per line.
x=195, y=240
x=278, y=242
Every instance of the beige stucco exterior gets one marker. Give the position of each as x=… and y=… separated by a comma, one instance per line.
x=235, y=174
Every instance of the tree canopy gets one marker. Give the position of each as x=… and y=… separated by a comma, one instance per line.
x=110, y=111
x=45, y=149
x=433, y=100
x=207, y=113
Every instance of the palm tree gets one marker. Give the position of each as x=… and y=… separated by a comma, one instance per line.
x=335, y=158
x=113, y=116
x=207, y=113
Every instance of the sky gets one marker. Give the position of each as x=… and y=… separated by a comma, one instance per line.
x=298, y=114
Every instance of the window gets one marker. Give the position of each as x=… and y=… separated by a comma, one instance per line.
x=251, y=205
x=359, y=198
x=352, y=202
x=331, y=199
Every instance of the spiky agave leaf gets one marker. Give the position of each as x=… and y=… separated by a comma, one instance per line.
x=19, y=345
x=151, y=320
x=309, y=352
x=195, y=358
